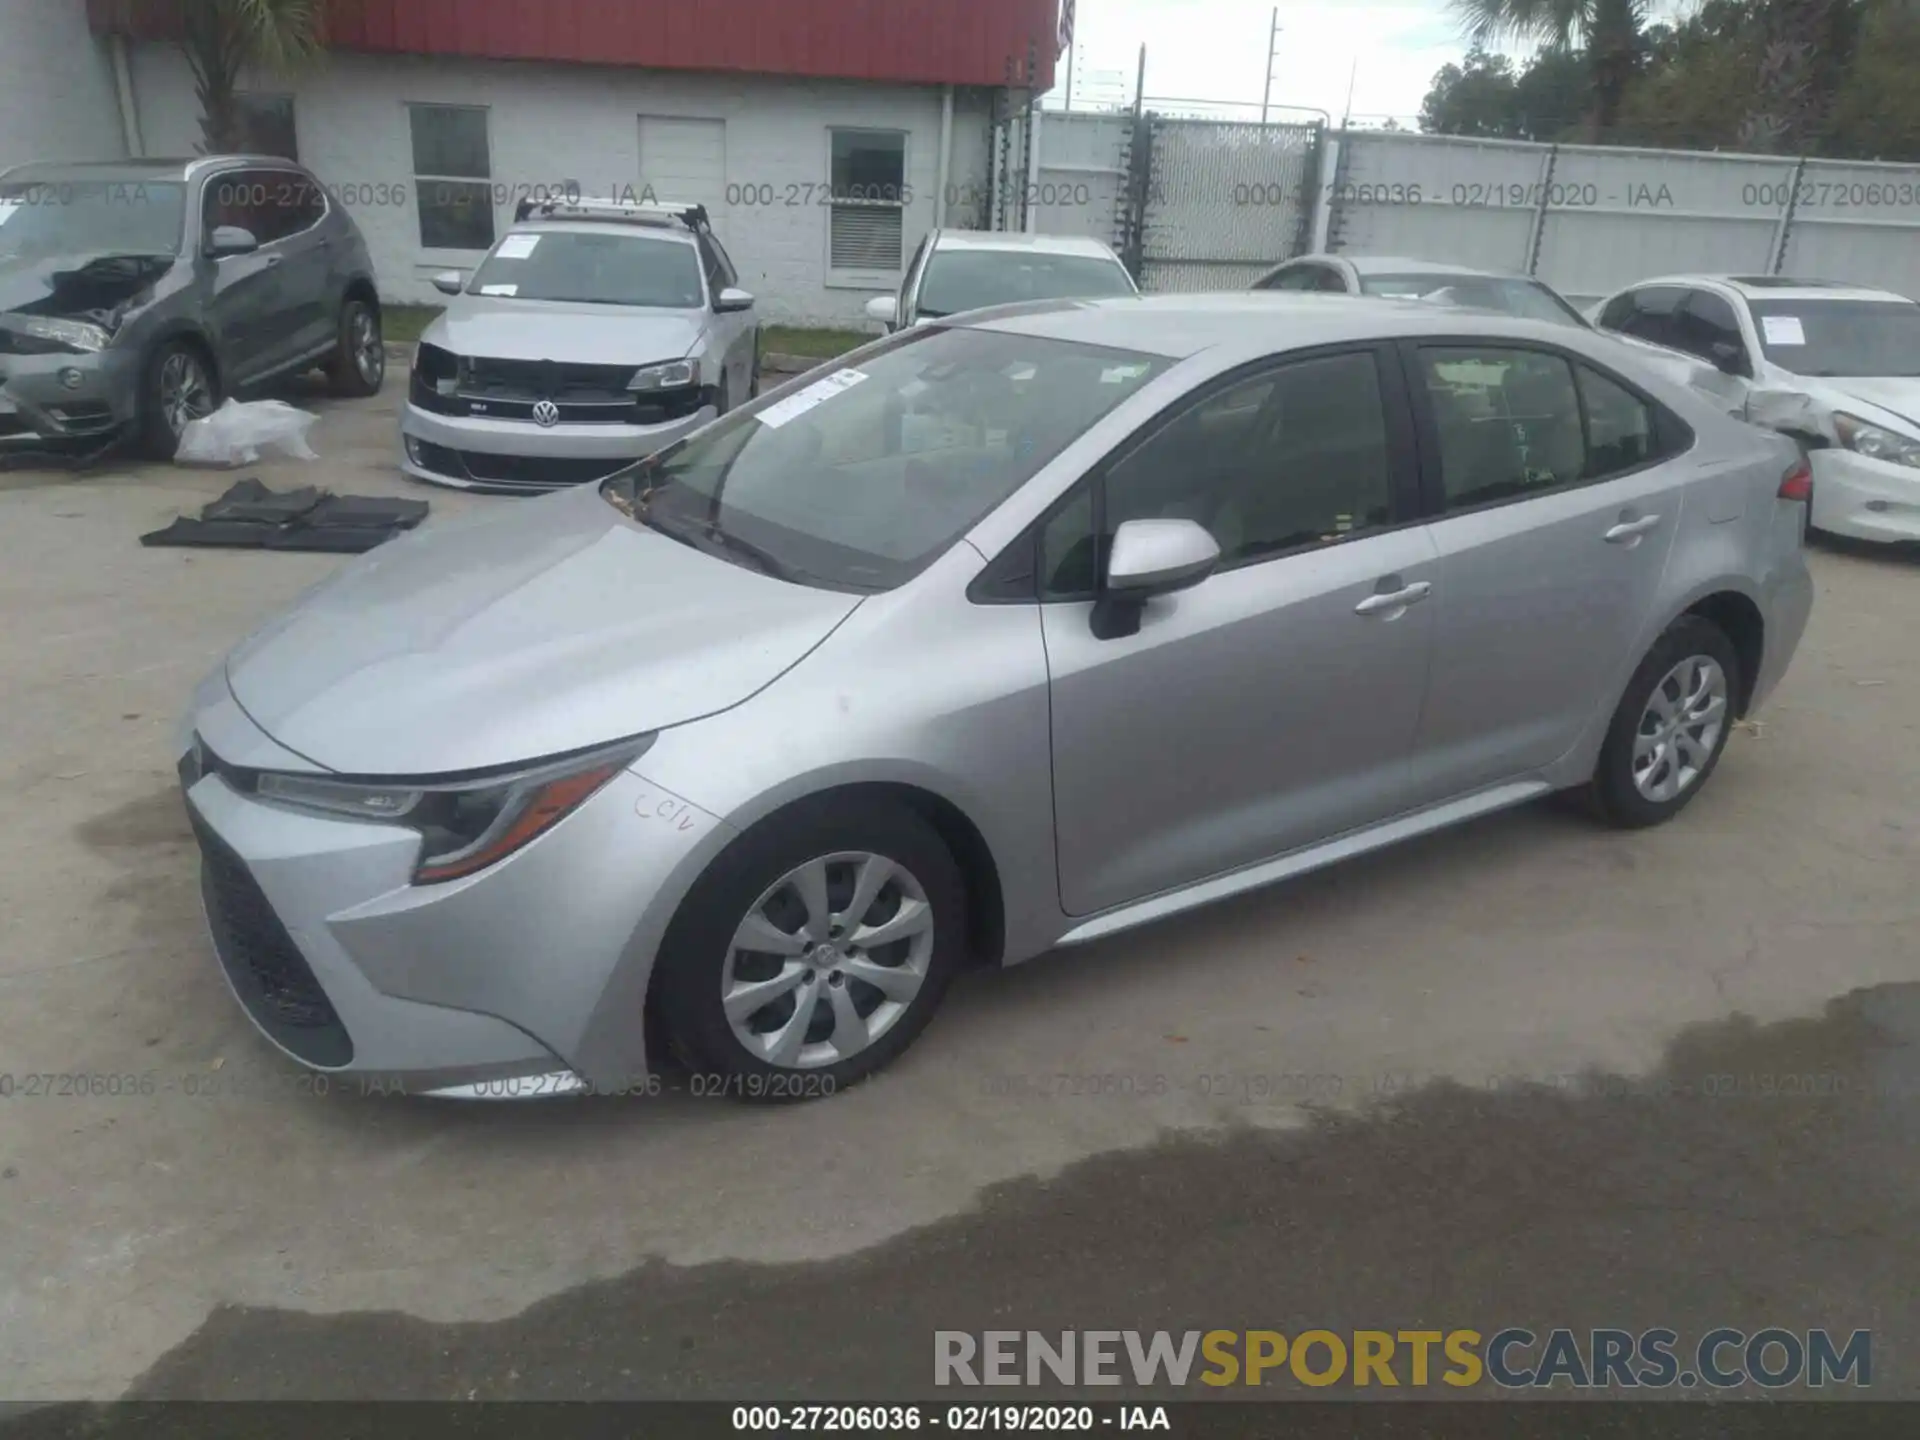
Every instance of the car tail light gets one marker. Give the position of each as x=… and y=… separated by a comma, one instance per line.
x=1797, y=483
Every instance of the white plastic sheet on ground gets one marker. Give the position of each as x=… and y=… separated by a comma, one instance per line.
x=240, y=430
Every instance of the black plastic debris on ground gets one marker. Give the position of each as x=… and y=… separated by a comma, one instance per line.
x=252, y=517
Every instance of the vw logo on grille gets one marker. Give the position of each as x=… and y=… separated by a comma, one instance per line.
x=546, y=413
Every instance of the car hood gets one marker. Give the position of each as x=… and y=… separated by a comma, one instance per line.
x=548, y=626
x=76, y=286
x=550, y=330
x=1898, y=395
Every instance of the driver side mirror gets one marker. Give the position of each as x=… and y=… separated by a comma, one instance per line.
x=885, y=309
x=1149, y=558
x=231, y=240
x=450, y=282
x=731, y=300
x=1727, y=357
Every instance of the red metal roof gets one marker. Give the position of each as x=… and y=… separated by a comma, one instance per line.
x=961, y=42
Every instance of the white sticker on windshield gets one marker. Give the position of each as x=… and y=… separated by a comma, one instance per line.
x=499, y=289
x=1120, y=374
x=1783, y=329
x=516, y=247
x=794, y=406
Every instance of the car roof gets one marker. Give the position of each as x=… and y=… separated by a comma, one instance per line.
x=1178, y=326
x=675, y=234
x=132, y=171
x=1777, y=287
x=1019, y=240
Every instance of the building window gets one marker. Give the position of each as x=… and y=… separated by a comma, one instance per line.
x=452, y=176
x=869, y=184
x=266, y=125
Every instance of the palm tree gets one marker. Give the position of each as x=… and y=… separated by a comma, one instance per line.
x=1613, y=33
x=223, y=39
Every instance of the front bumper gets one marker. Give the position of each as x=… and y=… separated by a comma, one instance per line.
x=1864, y=499
x=350, y=969
x=72, y=396
x=514, y=456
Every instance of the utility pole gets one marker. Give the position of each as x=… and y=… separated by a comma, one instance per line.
x=1273, y=36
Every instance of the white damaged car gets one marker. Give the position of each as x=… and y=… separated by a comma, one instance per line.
x=1835, y=366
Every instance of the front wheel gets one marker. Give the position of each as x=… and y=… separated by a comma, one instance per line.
x=177, y=387
x=359, y=363
x=1671, y=726
x=814, y=950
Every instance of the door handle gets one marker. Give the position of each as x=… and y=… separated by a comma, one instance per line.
x=272, y=260
x=1628, y=531
x=1392, y=602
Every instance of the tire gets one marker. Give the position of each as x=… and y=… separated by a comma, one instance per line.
x=179, y=384
x=358, y=365
x=754, y=880
x=1667, y=785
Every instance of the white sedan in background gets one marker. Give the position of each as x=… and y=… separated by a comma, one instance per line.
x=955, y=270
x=1835, y=366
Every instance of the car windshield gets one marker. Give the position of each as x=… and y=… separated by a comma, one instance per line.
x=47, y=218
x=1840, y=337
x=964, y=279
x=1527, y=299
x=863, y=477
x=594, y=267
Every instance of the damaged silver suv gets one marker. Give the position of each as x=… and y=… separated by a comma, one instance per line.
x=135, y=295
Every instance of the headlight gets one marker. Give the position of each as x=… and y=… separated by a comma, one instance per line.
x=76, y=333
x=674, y=375
x=465, y=826
x=1876, y=443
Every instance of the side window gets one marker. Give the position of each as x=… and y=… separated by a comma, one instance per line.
x=1707, y=321
x=1331, y=281
x=288, y=204
x=1299, y=277
x=728, y=274
x=239, y=198
x=1620, y=428
x=1295, y=457
x=1617, y=313
x=1068, y=568
x=1508, y=422
x=710, y=262
x=1654, y=315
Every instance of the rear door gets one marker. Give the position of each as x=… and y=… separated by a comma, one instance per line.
x=1554, y=510
x=1274, y=704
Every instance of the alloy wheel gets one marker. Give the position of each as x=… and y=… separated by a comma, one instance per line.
x=1679, y=728
x=369, y=353
x=186, y=394
x=827, y=960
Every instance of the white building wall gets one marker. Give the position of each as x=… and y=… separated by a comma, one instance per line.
x=551, y=123
x=56, y=86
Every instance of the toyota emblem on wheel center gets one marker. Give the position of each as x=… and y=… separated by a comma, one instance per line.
x=546, y=413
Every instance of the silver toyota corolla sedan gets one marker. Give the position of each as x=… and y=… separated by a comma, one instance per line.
x=1003, y=633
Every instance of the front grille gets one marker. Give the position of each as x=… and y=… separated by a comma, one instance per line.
x=270, y=975
x=512, y=472
x=562, y=382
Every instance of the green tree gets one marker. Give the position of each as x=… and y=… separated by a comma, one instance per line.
x=1611, y=33
x=1485, y=97
x=224, y=39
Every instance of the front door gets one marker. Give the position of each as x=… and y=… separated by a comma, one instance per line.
x=309, y=316
x=1552, y=537
x=245, y=295
x=1274, y=704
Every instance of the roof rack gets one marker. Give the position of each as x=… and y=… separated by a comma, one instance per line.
x=588, y=207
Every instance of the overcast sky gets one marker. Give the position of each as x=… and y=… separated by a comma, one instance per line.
x=1217, y=49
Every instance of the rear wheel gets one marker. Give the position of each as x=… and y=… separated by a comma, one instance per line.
x=359, y=362
x=1671, y=726
x=813, y=951
x=177, y=388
